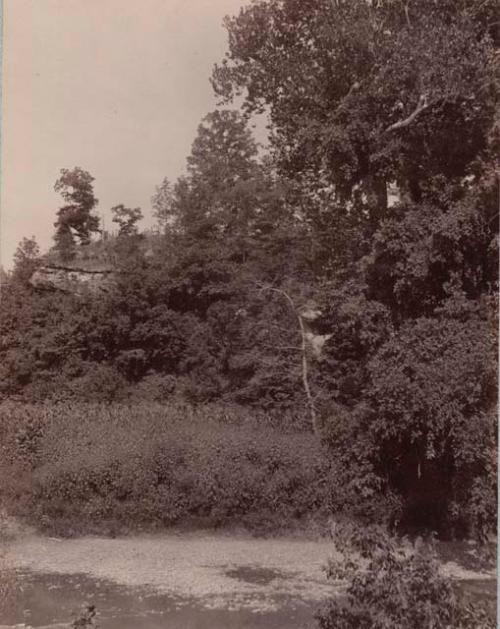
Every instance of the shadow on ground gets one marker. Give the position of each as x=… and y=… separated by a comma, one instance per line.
x=50, y=600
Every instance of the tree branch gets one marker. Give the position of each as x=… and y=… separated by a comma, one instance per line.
x=423, y=104
x=407, y=14
x=303, y=349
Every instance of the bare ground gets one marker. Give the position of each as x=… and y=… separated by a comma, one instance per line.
x=217, y=570
x=224, y=571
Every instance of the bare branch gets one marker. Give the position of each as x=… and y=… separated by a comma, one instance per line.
x=303, y=349
x=407, y=14
x=423, y=104
x=354, y=88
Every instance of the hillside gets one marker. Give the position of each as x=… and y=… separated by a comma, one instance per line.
x=209, y=315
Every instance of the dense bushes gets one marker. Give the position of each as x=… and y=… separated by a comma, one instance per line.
x=149, y=465
x=396, y=586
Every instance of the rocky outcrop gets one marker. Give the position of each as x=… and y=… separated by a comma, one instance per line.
x=310, y=315
x=72, y=280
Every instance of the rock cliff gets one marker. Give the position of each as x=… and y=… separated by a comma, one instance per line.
x=72, y=280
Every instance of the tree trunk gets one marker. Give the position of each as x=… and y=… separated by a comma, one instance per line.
x=377, y=197
x=305, y=365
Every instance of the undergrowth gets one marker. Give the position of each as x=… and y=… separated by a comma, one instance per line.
x=392, y=585
x=111, y=468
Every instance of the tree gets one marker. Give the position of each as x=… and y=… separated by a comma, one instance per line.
x=74, y=219
x=216, y=196
x=65, y=242
x=4, y=277
x=163, y=203
x=127, y=219
x=362, y=94
x=26, y=260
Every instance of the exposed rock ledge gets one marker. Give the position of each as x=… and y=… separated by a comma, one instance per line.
x=72, y=280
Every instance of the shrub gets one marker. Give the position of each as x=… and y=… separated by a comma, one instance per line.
x=162, y=465
x=414, y=413
x=390, y=586
x=20, y=435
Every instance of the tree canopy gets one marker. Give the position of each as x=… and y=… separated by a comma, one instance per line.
x=74, y=219
x=375, y=208
x=364, y=94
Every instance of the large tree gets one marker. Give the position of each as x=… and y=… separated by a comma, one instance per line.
x=216, y=195
x=126, y=218
x=75, y=218
x=367, y=93
x=364, y=96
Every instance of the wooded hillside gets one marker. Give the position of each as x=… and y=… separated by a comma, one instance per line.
x=375, y=207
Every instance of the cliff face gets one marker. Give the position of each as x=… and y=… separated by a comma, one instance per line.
x=72, y=280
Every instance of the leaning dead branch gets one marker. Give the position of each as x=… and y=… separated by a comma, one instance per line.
x=423, y=104
x=303, y=349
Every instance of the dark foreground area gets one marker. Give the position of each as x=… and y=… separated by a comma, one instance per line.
x=193, y=581
x=50, y=600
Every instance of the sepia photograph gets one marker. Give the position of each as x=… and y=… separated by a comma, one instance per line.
x=249, y=283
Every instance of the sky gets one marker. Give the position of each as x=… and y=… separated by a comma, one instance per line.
x=117, y=87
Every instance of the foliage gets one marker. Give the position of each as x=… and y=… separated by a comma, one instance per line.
x=166, y=464
x=127, y=219
x=162, y=203
x=374, y=63
x=75, y=218
x=394, y=586
x=26, y=260
x=376, y=205
x=86, y=617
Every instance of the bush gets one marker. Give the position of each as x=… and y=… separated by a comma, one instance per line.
x=390, y=586
x=162, y=465
x=414, y=413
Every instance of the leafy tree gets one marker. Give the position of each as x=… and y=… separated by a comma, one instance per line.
x=362, y=94
x=163, y=203
x=74, y=219
x=26, y=259
x=127, y=219
x=65, y=242
x=215, y=198
x=433, y=391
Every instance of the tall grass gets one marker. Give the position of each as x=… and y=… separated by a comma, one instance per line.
x=93, y=466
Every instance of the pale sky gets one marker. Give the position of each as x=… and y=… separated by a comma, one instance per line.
x=117, y=87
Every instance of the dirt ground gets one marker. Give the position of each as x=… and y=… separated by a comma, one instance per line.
x=218, y=570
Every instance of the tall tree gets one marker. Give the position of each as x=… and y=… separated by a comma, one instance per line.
x=75, y=218
x=126, y=218
x=221, y=166
x=163, y=203
x=367, y=93
x=361, y=95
